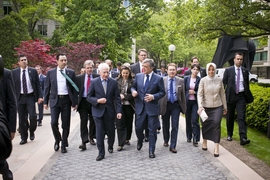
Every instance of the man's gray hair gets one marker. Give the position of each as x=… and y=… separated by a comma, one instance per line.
x=150, y=61
x=88, y=62
x=102, y=66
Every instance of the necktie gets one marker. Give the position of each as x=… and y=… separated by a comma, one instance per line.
x=237, y=81
x=70, y=81
x=146, y=82
x=24, y=82
x=104, y=84
x=171, y=91
x=88, y=83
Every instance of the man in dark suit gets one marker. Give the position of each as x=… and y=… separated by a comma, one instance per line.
x=84, y=107
x=28, y=92
x=8, y=101
x=118, y=67
x=42, y=80
x=106, y=106
x=171, y=105
x=162, y=72
x=62, y=96
x=236, y=83
x=147, y=89
x=195, y=60
x=112, y=73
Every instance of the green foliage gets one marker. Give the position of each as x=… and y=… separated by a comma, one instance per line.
x=106, y=22
x=13, y=30
x=212, y=18
x=257, y=113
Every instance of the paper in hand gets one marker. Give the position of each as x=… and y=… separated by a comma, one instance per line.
x=203, y=115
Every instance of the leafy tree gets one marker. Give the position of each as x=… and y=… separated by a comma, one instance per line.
x=37, y=53
x=13, y=30
x=77, y=53
x=107, y=22
x=209, y=19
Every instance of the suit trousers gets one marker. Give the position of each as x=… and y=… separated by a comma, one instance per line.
x=192, y=121
x=26, y=104
x=4, y=170
x=173, y=111
x=239, y=105
x=40, y=112
x=86, y=116
x=63, y=107
x=124, y=125
x=143, y=120
x=104, y=124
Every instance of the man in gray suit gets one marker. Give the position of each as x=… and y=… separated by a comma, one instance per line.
x=171, y=105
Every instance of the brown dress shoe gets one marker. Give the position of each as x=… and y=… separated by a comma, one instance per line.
x=173, y=150
x=165, y=144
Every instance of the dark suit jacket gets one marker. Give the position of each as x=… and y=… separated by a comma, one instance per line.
x=51, y=92
x=8, y=99
x=113, y=104
x=42, y=81
x=187, y=86
x=229, y=84
x=155, y=87
x=80, y=81
x=202, y=71
x=135, y=68
x=114, y=74
x=180, y=91
x=33, y=76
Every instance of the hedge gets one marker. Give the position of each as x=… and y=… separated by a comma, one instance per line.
x=257, y=113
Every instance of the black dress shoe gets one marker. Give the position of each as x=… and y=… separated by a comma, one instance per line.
x=32, y=136
x=152, y=155
x=173, y=150
x=139, y=145
x=244, y=141
x=229, y=138
x=24, y=141
x=56, y=146
x=39, y=123
x=99, y=158
x=195, y=143
x=82, y=147
x=110, y=149
x=205, y=149
x=92, y=142
x=127, y=142
x=165, y=144
x=63, y=150
x=120, y=148
x=216, y=155
x=146, y=139
x=189, y=140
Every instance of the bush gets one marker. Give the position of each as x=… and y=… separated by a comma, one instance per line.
x=257, y=114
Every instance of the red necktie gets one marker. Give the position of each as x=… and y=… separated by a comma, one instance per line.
x=88, y=84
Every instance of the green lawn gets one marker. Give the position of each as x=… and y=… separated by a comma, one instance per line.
x=259, y=145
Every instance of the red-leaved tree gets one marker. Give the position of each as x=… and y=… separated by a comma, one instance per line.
x=38, y=53
x=78, y=52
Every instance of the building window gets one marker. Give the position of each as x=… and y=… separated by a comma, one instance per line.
x=7, y=8
x=261, y=56
x=42, y=30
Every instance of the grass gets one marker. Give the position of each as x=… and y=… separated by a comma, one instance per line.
x=259, y=145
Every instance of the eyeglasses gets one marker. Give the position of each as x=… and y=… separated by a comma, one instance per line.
x=23, y=59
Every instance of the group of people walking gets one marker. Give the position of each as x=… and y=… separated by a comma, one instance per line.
x=109, y=99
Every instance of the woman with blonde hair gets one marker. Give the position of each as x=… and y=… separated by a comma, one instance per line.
x=211, y=99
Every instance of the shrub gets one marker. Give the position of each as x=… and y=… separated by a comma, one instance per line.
x=257, y=114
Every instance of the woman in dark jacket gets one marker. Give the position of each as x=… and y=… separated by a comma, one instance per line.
x=192, y=118
x=124, y=125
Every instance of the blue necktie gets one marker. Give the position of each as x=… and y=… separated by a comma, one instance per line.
x=146, y=82
x=171, y=92
x=24, y=82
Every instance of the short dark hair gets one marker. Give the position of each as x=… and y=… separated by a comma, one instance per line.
x=58, y=55
x=20, y=55
x=238, y=53
x=194, y=57
x=118, y=63
x=195, y=65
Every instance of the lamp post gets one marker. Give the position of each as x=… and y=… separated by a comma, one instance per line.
x=171, y=48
